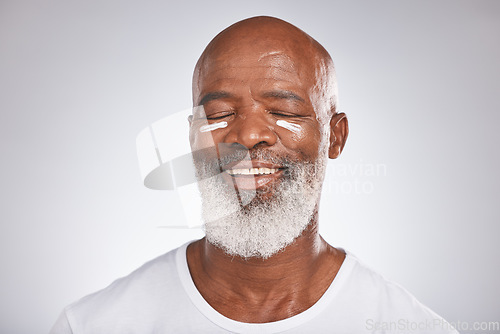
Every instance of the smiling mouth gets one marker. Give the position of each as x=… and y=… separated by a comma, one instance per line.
x=252, y=171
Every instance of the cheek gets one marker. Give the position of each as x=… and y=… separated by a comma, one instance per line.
x=292, y=127
x=302, y=138
x=206, y=140
x=201, y=137
x=213, y=126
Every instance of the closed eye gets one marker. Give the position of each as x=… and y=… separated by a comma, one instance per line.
x=219, y=115
x=280, y=113
x=214, y=118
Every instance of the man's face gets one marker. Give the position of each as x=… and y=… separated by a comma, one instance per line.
x=266, y=97
x=261, y=103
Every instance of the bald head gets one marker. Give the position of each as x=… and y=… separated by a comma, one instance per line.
x=283, y=46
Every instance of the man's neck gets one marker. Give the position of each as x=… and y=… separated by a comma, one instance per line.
x=265, y=290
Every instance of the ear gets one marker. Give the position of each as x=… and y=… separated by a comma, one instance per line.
x=190, y=119
x=339, y=129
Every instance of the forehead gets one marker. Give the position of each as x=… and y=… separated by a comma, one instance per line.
x=247, y=65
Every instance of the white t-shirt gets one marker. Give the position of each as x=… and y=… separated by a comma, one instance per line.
x=160, y=297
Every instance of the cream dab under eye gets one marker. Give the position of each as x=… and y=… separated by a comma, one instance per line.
x=295, y=128
x=212, y=127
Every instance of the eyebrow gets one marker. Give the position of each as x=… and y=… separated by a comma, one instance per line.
x=279, y=94
x=283, y=94
x=214, y=96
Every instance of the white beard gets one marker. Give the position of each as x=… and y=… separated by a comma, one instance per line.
x=263, y=227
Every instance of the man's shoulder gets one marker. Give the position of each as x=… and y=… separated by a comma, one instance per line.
x=378, y=291
x=381, y=302
x=376, y=286
x=144, y=290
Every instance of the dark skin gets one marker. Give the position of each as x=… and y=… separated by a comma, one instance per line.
x=253, y=74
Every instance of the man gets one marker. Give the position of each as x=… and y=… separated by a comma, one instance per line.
x=265, y=95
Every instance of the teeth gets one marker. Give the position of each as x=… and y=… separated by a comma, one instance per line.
x=252, y=171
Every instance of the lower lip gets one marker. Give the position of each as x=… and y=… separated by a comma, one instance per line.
x=252, y=182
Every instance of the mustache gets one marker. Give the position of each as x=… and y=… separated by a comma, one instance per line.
x=225, y=154
x=211, y=162
x=255, y=154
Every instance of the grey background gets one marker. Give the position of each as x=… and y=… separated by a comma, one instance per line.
x=79, y=80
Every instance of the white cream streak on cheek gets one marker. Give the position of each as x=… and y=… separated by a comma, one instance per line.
x=212, y=127
x=295, y=128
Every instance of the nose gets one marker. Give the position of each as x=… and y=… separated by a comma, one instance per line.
x=252, y=129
